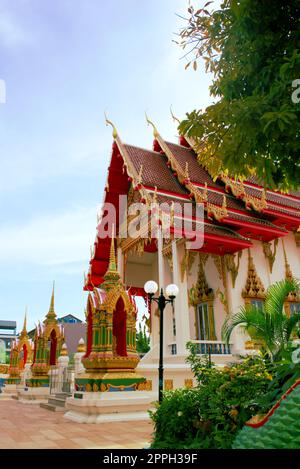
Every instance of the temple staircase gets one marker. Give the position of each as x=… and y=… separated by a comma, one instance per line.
x=56, y=402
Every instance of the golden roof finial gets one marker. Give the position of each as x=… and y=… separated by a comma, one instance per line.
x=174, y=117
x=155, y=131
x=109, y=122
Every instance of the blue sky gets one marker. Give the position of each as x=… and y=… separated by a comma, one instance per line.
x=64, y=63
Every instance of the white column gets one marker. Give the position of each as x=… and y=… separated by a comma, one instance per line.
x=159, y=272
x=161, y=277
x=63, y=362
x=181, y=304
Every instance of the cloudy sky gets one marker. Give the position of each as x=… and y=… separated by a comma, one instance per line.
x=64, y=63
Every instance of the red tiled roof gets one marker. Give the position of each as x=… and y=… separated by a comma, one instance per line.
x=155, y=170
x=197, y=174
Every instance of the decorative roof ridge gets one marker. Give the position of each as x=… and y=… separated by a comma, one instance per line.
x=181, y=174
x=276, y=192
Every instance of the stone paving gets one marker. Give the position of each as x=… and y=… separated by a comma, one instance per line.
x=29, y=426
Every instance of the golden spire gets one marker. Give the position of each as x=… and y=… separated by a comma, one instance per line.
x=109, y=122
x=155, y=131
x=112, y=275
x=51, y=309
x=51, y=313
x=112, y=267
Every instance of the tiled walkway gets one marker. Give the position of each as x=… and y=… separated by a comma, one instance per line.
x=29, y=426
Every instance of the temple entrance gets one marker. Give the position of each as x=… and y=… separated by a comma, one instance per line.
x=53, y=347
x=119, y=328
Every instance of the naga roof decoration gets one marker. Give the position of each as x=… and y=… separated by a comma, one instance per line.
x=279, y=429
x=234, y=212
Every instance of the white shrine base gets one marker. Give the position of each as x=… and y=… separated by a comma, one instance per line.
x=121, y=406
x=34, y=395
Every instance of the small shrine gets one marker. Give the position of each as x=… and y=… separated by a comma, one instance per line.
x=20, y=355
x=111, y=358
x=48, y=341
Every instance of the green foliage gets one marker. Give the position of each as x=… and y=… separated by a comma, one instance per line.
x=252, y=49
x=210, y=415
x=270, y=325
x=284, y=374
x=142, y=340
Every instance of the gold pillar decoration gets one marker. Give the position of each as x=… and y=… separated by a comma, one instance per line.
x=187, y=263
x=269, y=254
x=201, y=293
x=220, y=264
x=292, y=296
x=233, y=265
x=254, y=288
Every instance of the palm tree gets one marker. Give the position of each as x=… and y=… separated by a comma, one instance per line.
x=269, y=325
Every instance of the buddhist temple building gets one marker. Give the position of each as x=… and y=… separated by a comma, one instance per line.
x=239, y=258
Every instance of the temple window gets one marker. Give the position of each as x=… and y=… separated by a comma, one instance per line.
x=204, y=326
x=202, y=298
x=259, y=304
x=294, y=308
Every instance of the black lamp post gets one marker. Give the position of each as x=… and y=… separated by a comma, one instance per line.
x=151, y=288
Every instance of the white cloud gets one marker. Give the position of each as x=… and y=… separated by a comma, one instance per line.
x=12, y=33
x=50, y=240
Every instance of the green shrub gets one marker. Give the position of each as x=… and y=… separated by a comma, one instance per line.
x=210, y=415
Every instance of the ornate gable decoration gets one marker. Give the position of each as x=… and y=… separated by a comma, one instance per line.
x=292, y=296
x=254, y=287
